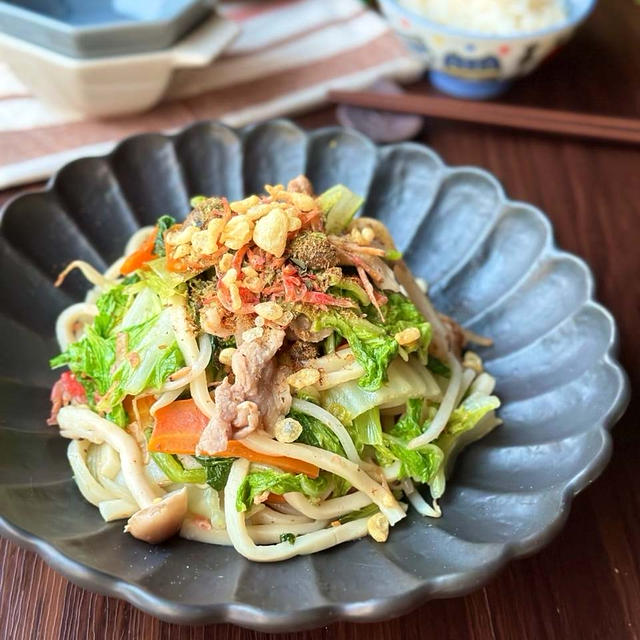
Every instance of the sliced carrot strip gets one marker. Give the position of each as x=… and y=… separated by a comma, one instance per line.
x=235, y=449
x=177, y=265
x=141, y=256
x=178, y=428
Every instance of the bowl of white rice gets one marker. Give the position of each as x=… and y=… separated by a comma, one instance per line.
x=475, y=48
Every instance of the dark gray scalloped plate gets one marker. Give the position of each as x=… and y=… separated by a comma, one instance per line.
x=492, y=265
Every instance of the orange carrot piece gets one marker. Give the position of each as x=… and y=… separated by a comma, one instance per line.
x=141, y=256
x=178, y=428
x=235, y=449
x=177, y=265
x=276, y=498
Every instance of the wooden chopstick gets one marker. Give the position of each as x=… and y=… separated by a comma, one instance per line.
x=503, y=115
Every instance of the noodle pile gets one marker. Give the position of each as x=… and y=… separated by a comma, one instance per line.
x=266, y=374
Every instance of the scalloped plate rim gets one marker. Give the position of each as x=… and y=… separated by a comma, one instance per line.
x=448, y=585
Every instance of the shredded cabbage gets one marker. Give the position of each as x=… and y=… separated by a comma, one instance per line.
x=469, y=422
x=316, y=434
x=419, y=464
x=405, y=380
x=129, y=347
x=372, y=341
x=338, y=204
x=259, y=482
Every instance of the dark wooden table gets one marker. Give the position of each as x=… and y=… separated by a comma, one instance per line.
x=586, y=584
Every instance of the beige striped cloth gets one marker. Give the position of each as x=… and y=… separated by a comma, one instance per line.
x=288, y=55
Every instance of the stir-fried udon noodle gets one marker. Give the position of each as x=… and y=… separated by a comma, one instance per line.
x=267, y=374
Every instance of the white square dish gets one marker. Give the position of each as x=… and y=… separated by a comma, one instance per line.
x=113, y=85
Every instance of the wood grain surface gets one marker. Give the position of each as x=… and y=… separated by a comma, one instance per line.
x=586, y=584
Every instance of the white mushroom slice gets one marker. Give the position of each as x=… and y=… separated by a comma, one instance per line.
x=161, y=519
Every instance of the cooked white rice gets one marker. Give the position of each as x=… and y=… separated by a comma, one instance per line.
x=492, y=16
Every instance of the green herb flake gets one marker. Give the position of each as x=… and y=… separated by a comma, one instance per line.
x=288, y=537
x=365, y=512
x=163, y=223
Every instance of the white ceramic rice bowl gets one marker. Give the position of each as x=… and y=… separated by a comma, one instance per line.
x=480, y=65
